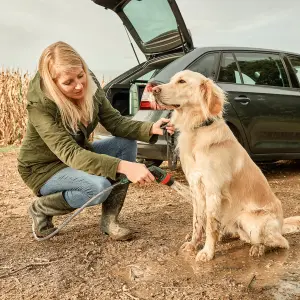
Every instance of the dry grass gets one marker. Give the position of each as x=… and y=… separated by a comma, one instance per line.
x=13, y=117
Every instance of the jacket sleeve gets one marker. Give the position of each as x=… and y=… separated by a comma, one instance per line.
x=61, y=143
x=121, y=126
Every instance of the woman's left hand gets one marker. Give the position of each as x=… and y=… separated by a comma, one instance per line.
x=157, y=130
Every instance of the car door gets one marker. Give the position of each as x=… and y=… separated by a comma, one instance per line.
x=208, y=64
x=261, y=94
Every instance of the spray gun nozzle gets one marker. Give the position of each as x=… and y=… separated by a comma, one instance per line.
x=160, y=175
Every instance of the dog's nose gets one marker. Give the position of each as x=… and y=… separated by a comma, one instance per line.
x=156, y=90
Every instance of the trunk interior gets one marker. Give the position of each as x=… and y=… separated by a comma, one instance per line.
x=126, y=95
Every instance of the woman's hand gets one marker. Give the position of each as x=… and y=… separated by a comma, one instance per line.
x=157, y=130
x=135, y=172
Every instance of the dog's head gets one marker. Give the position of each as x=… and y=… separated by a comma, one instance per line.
x=193, y=90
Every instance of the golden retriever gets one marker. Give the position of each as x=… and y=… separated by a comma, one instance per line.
x=230, y=193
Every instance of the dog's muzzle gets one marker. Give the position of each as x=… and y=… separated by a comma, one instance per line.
x=156, y=91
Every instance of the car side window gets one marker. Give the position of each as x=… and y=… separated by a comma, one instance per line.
x=206, y=65
x=262, y=69
x=229, y=72
x=295, y=61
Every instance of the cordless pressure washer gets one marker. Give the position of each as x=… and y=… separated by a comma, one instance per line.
x=160, y=175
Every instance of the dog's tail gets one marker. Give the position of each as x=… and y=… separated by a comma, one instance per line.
x=291, y=225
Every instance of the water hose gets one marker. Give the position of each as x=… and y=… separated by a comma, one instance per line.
x=160, y=175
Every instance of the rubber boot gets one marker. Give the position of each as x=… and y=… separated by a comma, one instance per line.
x=44, y=208
x=111, y=208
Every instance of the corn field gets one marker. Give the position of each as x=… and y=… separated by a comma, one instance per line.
x=13, y=117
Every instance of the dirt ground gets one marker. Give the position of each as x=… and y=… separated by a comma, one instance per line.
x=81, y=263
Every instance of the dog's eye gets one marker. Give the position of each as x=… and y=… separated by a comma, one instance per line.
x=181, y=81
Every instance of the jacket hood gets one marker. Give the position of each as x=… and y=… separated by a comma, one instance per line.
x=36, y=97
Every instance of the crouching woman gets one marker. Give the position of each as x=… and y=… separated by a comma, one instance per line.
x=57, y=161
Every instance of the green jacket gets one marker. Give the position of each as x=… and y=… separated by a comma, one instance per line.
x=48, y=147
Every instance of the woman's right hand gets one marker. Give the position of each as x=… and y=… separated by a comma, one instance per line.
x=135, y=172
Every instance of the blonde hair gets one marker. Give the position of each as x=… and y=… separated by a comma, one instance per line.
x=61, y=56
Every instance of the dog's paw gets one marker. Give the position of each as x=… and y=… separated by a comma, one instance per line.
x=257, y=250
x=188, y=247
x=204, y=256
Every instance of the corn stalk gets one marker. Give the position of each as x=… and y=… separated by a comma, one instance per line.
x=13, y=116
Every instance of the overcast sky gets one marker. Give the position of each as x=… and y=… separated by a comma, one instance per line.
x=28, y=26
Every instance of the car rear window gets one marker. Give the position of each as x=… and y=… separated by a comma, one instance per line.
x=161, y=21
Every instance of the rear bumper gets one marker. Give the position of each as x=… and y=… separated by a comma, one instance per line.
x=153, y=151
x=156, y=151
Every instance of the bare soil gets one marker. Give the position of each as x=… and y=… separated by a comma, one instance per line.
x=82, y=263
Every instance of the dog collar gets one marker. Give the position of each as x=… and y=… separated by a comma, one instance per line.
x=206, y=123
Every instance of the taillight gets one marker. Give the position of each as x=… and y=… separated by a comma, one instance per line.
x=147, y=100
x=145, y=104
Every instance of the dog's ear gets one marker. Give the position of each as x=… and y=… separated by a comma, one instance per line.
x=213, y=96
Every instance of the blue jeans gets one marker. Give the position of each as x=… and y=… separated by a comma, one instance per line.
x=78, y=186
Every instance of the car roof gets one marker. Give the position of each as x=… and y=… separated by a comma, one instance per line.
x=180, y=64
x=231, y=48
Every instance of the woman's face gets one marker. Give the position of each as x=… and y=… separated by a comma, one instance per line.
x=72, y=83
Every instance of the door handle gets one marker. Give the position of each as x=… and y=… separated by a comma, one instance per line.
x=242, y=99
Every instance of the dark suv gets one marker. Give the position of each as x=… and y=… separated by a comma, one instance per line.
x=262, y=85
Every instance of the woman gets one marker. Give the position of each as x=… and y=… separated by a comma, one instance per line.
x=56, y=159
